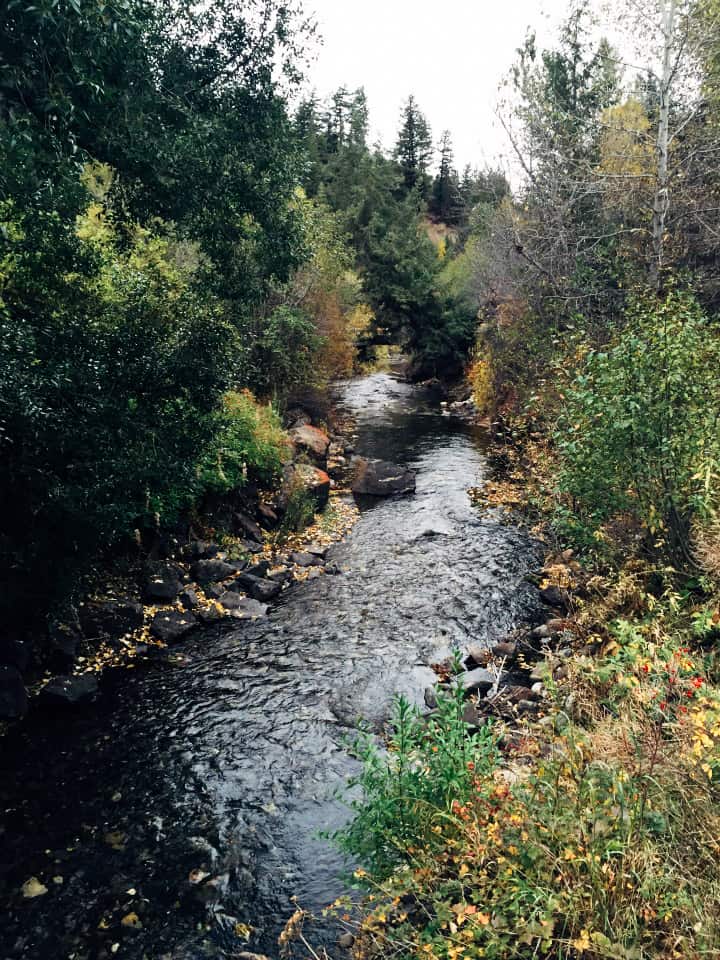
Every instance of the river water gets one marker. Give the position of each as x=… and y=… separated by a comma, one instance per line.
x=229, y=757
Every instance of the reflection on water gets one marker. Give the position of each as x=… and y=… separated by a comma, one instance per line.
x=231, y=760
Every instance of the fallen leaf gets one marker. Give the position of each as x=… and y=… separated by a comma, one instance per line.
x=33, y=888
x=131, y=920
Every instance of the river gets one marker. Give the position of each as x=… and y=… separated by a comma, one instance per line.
x=228, y=757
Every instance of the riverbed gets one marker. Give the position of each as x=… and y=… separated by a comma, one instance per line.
x=191, y=797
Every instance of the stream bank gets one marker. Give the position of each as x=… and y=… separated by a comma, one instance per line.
x=177, y=815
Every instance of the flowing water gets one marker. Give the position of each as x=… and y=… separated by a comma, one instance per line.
x=228, y=758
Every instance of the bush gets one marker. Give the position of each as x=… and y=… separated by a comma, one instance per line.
x=639, y=432
x=408, y=795
x=112, y=369
x=248, y=442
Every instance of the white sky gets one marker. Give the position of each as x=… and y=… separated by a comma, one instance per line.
x=451, y=54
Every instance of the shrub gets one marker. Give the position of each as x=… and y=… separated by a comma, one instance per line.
x=248, y=442
x=639, y=431
x=408, y=794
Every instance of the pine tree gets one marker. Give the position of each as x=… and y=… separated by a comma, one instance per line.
x=414, y=149
x=446, y=202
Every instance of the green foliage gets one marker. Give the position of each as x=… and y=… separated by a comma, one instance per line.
x=407, y=793
x=248, y=442
x=639, y=432
x=284, y=353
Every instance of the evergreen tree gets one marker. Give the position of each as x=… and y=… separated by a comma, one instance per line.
x=446, y=202
x=414, y=149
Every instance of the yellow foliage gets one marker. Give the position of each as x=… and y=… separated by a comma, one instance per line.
x=480, y=377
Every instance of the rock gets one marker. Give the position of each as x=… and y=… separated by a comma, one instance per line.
x=297, y=417
x=267, y=515
x=430, y=698
x=163, y=583
x=244, y=524
x=378, y=478
x=213, y=592
x=211, y=571
x=505, y=649
x=537, y=690
x=188, y=598
x=556, y=625
x=472, y=716
x=171, y=625
x=259, y=588
x=15, y=653
x=346, y=941
x=312, y=441
x=282, y=576
x=542, y=632
x=248, y=609
x=200, y=550
x=333, y=569
x=302, y=559
x=64, y=641
x=252, y=546
x=317, y=550
x=479, y=680
x=301, y=476
x=231, y=600
x=515, y=693
x=209, y=614
x=527, y=706
x=111, y=619
x=258, y=569
x=477, y=656
x=69, y=691
x=556, y=597
x=13, y=695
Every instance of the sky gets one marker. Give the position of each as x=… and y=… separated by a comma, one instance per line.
x=451, y=54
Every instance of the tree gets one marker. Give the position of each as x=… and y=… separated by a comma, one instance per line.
x=414, y=149
x=446, y=200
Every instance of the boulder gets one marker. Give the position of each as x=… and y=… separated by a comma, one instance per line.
x=251, y=546
x=248, y=609
x=267, y=515
x=211, y=571
x=258, y=587
x=312, y=441
x=317, y=550
x=64, y=639
x=303, y=559
x=556, y=597
x=172, y=625
x=378, y=478
x=163, y=583
x=69, y=691
x=13, y=695
x=246, y=526
x=188, y=598
x=15, y=653
x=110, y=619
x=304, y=476
x=200, y=550
x=479, y=680
x=505, y=649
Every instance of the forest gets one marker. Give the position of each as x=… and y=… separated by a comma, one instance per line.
x=193, y=246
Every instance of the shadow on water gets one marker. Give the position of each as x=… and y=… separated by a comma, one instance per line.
x=229, y=759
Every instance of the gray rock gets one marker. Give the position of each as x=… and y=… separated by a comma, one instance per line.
x=200, y=550
x=188, y=598
x=378, y=478
x=247, y=526
x=171, y=625
x=249, y=609
x=211, y=571
x=430, y=698
x=13, y=695
x=111, y=619
x=479, y=680
x=556, y=597
x=303, y=559
x=259, y=588
x=163, y=583
x=505, y=649
x=69, y=691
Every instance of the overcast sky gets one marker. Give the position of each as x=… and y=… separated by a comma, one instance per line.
x=452, y=54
